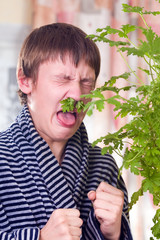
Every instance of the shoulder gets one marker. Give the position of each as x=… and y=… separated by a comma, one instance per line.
x=4, y=138
x=7, y=143
x=95, y=155
x=6, y=135
x=104, y=166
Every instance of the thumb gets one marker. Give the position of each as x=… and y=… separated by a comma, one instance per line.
x=92, y=195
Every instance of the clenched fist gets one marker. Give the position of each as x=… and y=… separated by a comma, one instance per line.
x=108, y=205
x=64, y=224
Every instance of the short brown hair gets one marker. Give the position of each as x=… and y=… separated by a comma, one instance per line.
x=57, y=39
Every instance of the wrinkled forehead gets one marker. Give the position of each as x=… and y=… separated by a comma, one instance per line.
x=70, y=57
x=67, y=65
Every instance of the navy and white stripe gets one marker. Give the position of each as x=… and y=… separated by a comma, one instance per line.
x=33, y=185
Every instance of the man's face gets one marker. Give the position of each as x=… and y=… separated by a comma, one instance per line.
x=57, y=81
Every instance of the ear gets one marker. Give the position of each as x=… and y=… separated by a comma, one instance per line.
x=25, y=84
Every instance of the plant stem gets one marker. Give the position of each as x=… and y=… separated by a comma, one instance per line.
x=118, y=153
x=144, y=21
x=132, y=159
x=129, y=66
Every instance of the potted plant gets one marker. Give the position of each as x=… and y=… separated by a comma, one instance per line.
x=138, y=141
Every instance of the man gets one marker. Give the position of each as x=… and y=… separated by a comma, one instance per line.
x=53, y=183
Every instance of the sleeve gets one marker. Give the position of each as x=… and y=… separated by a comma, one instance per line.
x=21, y=234
x=6, y=232
x=92, y=229
x=125, y=226
x=125, y=229
x=117, y=181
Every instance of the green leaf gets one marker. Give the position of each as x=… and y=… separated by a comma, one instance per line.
x=134, y=198
x=145, y=70
x=99, y=105
x=156, y=228
x=67, y=104
x=137, y=9
x=153, y=13
x=80, y=106
x=134, y=51
x=128, y=8
x=99, y=140
x=113, y=79
x=127, y=29
x=105, y=150
x=113, y=100
x=89, y=107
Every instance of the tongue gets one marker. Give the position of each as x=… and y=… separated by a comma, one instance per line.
x=66, y=118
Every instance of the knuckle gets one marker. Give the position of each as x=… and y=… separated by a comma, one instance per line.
x=69, y=237
x=59, y=219
x=96, y=212
x=80, y=231
x=102, y=184
x=57, y=212
x=121, y=193
x=95, y=203
x=65, y=230
x=77, y=212
x=81, y=222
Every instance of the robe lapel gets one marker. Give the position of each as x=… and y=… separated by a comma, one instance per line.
x=54, y=178
x=75, y=165
x=52, y=174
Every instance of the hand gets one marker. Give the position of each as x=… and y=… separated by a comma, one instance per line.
x=108, y=205
x=64, y=224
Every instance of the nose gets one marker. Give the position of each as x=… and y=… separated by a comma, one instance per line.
x=75, y=91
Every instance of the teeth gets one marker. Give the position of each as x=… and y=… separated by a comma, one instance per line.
x=72, y=112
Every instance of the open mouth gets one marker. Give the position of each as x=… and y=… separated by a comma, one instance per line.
x=67, y=118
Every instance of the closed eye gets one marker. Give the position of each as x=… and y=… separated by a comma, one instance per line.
x=88, y=82
x=61, y=79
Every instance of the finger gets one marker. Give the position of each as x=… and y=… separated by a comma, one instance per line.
x=102, y=214
x=100, y=204
x=74, y=221
x=92, y=195
x=107, y=216
x=75, y=231
x=110, y=222
x=105, y=187
x=110, y=207
x=72, y=212
x=68, y=212
x=116, y=199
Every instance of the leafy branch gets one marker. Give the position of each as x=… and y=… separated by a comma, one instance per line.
x=69, y=104
x=139, y=138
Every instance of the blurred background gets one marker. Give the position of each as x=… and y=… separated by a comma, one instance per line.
x=19, y=17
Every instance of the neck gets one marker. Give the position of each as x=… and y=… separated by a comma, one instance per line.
x=58, y=149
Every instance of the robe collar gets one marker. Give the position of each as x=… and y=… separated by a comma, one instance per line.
x=66, y=183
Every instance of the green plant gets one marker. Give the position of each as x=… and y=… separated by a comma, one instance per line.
x=140, y=137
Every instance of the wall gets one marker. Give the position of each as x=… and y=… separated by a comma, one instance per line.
x=15, y=23
x=16, y=12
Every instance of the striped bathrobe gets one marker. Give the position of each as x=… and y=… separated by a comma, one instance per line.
x=33, y=185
